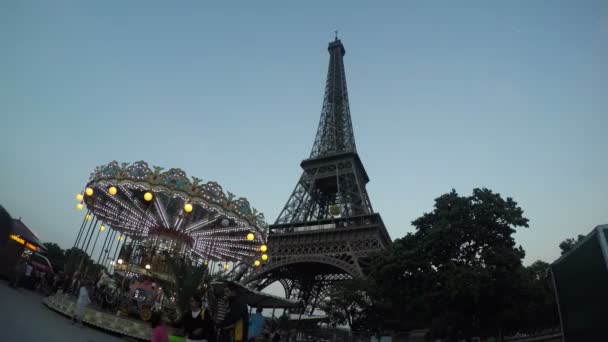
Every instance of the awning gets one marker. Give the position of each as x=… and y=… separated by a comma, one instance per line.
x=259, y=299
x=314, y=318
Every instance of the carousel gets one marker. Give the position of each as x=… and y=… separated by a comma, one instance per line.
x=152, y=219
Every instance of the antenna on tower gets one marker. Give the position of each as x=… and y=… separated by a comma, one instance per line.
x=336, y=33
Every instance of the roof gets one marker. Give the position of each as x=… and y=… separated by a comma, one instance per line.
x=19, y=228
x=260, y=299
x=599, y=231
x=316, y=318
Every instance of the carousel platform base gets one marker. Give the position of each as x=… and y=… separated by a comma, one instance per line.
x=102, y=320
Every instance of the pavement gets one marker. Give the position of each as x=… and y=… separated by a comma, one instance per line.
x=23, y=318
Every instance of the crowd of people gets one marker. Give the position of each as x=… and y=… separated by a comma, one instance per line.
x=236, y=325
x=27, y=276
x=197, y=325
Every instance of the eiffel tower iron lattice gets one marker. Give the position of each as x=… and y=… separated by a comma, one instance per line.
x=328, y=229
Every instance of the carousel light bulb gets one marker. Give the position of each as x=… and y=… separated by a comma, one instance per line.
x=263, y=248
x=264, y=257
x=79, y=206
x=112, y=190
x=89, y=192
x=79, y=197
x=102, y=228
x=256, y=263
x=120, y=261
x=250, y=237
x=148, y=196
x=188, y=207
x=119, y=237
x=148, y=266
x=87, y=217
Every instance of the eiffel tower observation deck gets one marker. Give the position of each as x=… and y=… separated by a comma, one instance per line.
x=328, y=228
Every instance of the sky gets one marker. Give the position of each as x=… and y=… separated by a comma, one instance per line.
x=511, y=96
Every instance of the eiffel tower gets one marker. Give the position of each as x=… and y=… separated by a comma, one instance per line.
x=328, y=228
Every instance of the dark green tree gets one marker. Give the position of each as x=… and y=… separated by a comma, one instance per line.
x=6, y=224
x=461, y=271
x=568, y=244
x=55, y=254
x=350, y=303
x=188, y=280
x=540, y=309
x=76, y=260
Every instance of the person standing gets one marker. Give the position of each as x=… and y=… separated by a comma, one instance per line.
x=198, y=323
x=236, y=322
x=81, y=303
x=256, y=324
x=18, y=272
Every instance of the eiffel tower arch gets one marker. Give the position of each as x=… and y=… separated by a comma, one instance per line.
x=327, y=230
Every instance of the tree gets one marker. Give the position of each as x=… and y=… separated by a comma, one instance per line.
x=540, y=310
x=350, y=303
x=568, y=244
x=55, y=254
x=187, y=280
x=6, y=224
x=76, y=260
x=461, y=271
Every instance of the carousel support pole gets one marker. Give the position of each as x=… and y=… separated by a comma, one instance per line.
x=96, y=238
x=80, y=259
x=116, y=250
x=91, y=237
x=80, y=231
x=109, y=249
x=122, y=283
x=84, y=221
x=86, y=236
x=103, y=246
x=94, y=244
x=87, y=247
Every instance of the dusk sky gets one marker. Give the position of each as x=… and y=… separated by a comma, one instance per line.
x=508, y=95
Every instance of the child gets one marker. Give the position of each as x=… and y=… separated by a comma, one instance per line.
x=159, y=329
x=81, y=304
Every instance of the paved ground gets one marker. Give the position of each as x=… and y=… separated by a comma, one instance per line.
x=23, y=318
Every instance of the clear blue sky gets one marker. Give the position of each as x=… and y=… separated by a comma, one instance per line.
x=510, y=96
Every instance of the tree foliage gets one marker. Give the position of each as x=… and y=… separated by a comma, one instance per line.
x=55, y=254
x=350, y=303
x=568, y=244
x=6, y=223
x=461, y=272
x=187, y=281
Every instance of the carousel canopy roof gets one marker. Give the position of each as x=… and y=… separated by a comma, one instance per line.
x=137, y=199
x=258, y=299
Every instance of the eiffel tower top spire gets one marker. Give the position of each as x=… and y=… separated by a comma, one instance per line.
x=335, y=133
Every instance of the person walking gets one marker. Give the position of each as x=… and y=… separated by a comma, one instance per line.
x=81, y=303
x=236, y=322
